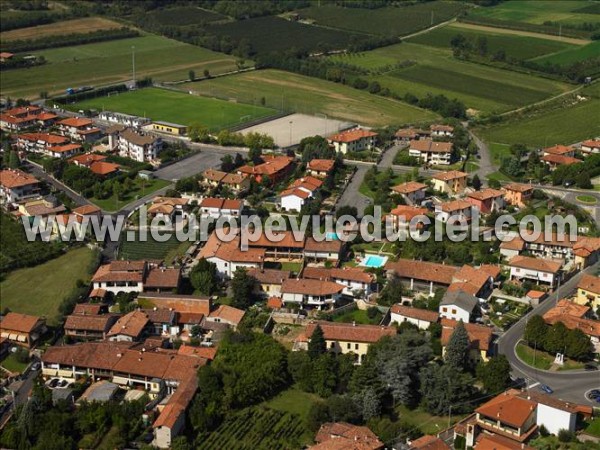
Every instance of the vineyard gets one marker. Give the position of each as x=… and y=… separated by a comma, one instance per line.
x=255, y=429
x=149, y=249
x=185, y=15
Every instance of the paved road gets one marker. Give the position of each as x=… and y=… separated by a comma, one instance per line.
x=486, y=166
x=570, y=195
x=199, y=162
x=39, y=173
x=568, y=386
x=22, y=392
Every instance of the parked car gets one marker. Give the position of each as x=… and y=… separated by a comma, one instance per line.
x=547, y=389
x=590, y=367
x=53, y=382
x=595, y=391
x=36, y=366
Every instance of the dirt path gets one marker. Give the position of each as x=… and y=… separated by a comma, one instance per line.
x=547, y=100
x=495, y=30
x=427, y=30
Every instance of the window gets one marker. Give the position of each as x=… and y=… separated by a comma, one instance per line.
x=445, y=309
x=355, y=346
x=332, y=345
x=348, y=346
x=454, y=311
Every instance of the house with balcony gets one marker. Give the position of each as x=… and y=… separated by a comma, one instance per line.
x=89, y=326
x=562, y=150
x=588, y=291
x=22, y=329
x=307, y=293
x=299, y=193
x=269, y=281
x=214, y=208
x=517, y=194
x=354, y=140
x=412, y=192
x=79, y=129
x=357, y=282
x=459, y=305
x=487, y=200
x=542, y=271
x=320, y=168
x=590, y=146
x=274, y=168
x=421, y=318
x=441, y=131
x=228, y=256
x=454, y=211
x=16, y=186
x=129, y=143
x=431, y=152
x=453, y=182
x=401, y=218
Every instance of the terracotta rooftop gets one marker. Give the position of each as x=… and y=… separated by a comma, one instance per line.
x=415, y=313
x=137, y=138
x=220, y=203
x=177, y=404
x=162, y=278
x=77, y=122
x=438, y=127
x=560, y=159
x=103, y=168
x=46, y=138
x=326, y=246
x=13, y=178
x=486, y=194
x=342, y=435
x=356, y=274
x=408, y=213
x=508, y=408
x=271, y=166
x=540, y=265
x=21, y=323
x=87, y=322
x=86, y=210
x=228, y=314
x=558, y=150
x=230, y=251
x=180, y=303
x=591, y=143
x=487, y=441
x=87, y=159
x=423, y=270
x=310, y=287
x=480, y=337
x=321, y=165
x=411, y=133
x=455, y=205
x=571, y=315
x=427, y=145
x=131, y=324
x=269, y=276
x=518, y=187
x=352, y=135
x=429, y=442
x=334, y=331
x=450, y=175
x=589, y=283
x=409, y=187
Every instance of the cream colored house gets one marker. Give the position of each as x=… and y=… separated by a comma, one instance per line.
x=451, y=183
x=588, y=291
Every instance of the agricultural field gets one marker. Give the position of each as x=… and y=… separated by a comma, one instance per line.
x=565, y=124
x=54, y=280
x=110, y=62
x=515, y=46
x=257, y=428
x=434, y=70
x=271, y=34
x=185, y=15
x=178, y=107
x=292, y=92
x=573, y=55
x=396, y=21
x=84, y=25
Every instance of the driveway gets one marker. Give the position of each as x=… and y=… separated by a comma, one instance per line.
x=570, y=385
x=199, y=162
x=486, y=166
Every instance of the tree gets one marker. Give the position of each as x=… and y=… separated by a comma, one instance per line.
x=482, y=45
x=392, y=293
x=239, y=160
x=227, y=164
x=317, y=345
x=457, y=350
x=444, y=386
x=535, y=331
x=495, y=374
x=242, y=286
x=324, y=374
x=203, y=276
x=476, y=182
x=300, y=368
x=583, y=181
x=192, y=75
x=198, y=133
x=343, y=408
x=13, y=160
x=371, y=404
x=206, y=73
x=578, y=345
x=255, y=155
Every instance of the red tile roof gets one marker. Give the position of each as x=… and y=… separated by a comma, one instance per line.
x=409, y=187
x=518, y=187
x=47, y=138
x=220, y=203
x=508, y=408
x=12, y=178
x=269, y=276
x=352, y=135
x=415, y=313
x=271, y=166
x=589, y=283
x=228, y=314
x=163, y=278
x=450, y=175
x=65, y=148
x=77, y=122
x=356, y=274
x=104, y=168
x=86, y=210
x=334, y=331
x=423, y=270
x=540, y=265
x=87, y=159
x=21, y=323
x=310, y=287
x=486, y=194
x=331, y=246
x=131, y=324
x=321, y=165
x=230, y=251
x=560, y=159
x=342, y=435
x=429, y=442
x=427, y=145
x=480, y=337
x=558, y=150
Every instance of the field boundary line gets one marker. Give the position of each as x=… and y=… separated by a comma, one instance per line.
x=542, y=102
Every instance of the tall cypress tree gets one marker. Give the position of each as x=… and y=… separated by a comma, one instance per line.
x=317, y=345
x=457, y=350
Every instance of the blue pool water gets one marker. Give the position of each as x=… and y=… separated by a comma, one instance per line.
x=373, y=261
x=332, y=235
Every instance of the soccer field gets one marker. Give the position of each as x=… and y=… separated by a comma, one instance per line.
x=111, y=62
x=178, y=107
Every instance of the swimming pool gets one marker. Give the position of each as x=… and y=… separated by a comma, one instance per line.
x=332, y=236
x=373, y=261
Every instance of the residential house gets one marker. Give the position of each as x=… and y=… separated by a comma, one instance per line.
x=553, y=161
x=236, y=182
x=22, y=329
x=269, y=281
x=535, y=297
x=512, y=246
x=321, y=168
x=214, y=208
x=89, y=326
x=124, y=119
x=167, y=208
x=161, y=279
x=590, y=146
x=543, y=271
x=47, y=144
x=169, y=128
x=487, y=200
x=226, y=314
x=133, y=326
x=412, y=192
x=459, y=305
x=16, y=186
x=402, y=216
x=274, y=168
x=441, y=130
x=79, y=129
x=588, y=291
x=422, y=275
x=357, y=282
x=517, y=194
x=431, y=152
x=354, y=140
x=299, y=192
x=551, y=413
x=478, y=282
x=41, y=207
x=162, y=321
x=452, y=183
x=280, y=245
x=561, y=150
x=586, y=251
x=480, y=339
x=135, y=145
x=229, y=257
x=326, y=250
x=178, y=302
x=342, y=435
x=405, y=135
x=454, y=211
x=307, y=293
x=347, y=338
x=135, y=276
x=421, y=318
x=171, y=421
x=23, y=117
x=573, y=316
x=96, y=163
x=429, y=442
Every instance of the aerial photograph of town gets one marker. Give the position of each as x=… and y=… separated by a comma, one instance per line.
x=300, y=224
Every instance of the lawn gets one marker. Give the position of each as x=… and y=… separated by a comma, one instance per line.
x=515, y=46
x=183, y=16
x=572, y=55
x=498, y=152
x=358, y=316
x=387, y=21
x=294, y=401
x=424, y=421
x=436, y=71
x=39, y=290
x=149, y=249
x=499, y=176
x=292, y=92
x=589, y=199
x=12, y=364
x=593, y=427
x=178, y=107
x=533, y=358
x=397, y=179
x=139, y=190
x=83, y=25
x=110, y=62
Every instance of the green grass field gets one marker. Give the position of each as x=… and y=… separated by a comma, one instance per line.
x=294, y=401
x=110, y=62
x=112, y=204
x=498, y=152
x=39, y=290
x=386, y=21
x=292, y=92
x=149, y=249
x=515, y=46
x=435, y=70
x=572, y=55
x=178, y=107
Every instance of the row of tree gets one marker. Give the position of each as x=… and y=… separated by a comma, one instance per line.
x=557, y=338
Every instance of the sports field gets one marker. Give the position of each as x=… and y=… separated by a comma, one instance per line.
x=179, y=107
x=84, y=25
x=515, y=46
x=292, y=92
x=435, y=70
x=111, y=62
x=54, y=280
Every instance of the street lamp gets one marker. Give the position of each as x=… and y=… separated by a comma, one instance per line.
x=291, y=123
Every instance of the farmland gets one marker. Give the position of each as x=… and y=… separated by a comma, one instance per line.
x=271, y=34
x=435, y=70
x=53, y=281
x=185, y=15
x=178, y=107
x=397, y=21
x=515, y=46
x=574, y=55
x=291, y=92
x=110, y=62
x=84, y=25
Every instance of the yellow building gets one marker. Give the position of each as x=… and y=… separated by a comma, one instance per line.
x=169, y=128
x=451, y=183
x=349, y=337
x=588, y=291
x=480, y=338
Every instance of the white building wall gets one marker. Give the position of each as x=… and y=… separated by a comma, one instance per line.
x=454, y=312
x=518, y=272
x=137, y=287
x=292, y=203
x=399, y=318
x=554, y=419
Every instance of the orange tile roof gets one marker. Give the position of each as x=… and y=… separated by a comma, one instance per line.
x=352, y=135
x=585, y=246
x=271, y=166
x=572, y=320
x=274, y=303
x=99, y=323
x=65, y=148
x=455, y=205
x=88, y=308
x=535, y=294
x=411, y=133
x=450, y=175
x=515, y=243
x=163, y=278
x=177, y=404
x=480, y=337
x=429, y=442
x=423, y=270
x=427, y=145
x=228, y=314
x=104, y=168
x=47, y=138
x=409, y=187
x=415, y=313
x=356, y=274
x=558, y=150
x=591, y=143
x=76, y=122
x=295, y=192
x=334, y=331
x=321, y=165
x=12, y=178
x=486, y=441
x=325, y=246
x=486, y=194
x=560, y=159
x=180, y=303
x=21, y=323
x=310, y=287
x=213, y=175
x=408, y=213
x=281, y=239
x=438, y=127
x=567, y=307
x=269, y=276
x=87, y=159
x=201, y=352
x=589, y=283
x=508, y=408
x=220, y=203
x=230, y=251
x=352, y=437
x=131, y=324
x=234, y=178
x=86, y=210
x=518, y=187
x=541, y=265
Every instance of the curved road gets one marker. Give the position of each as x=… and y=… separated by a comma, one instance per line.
x=569, y=385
